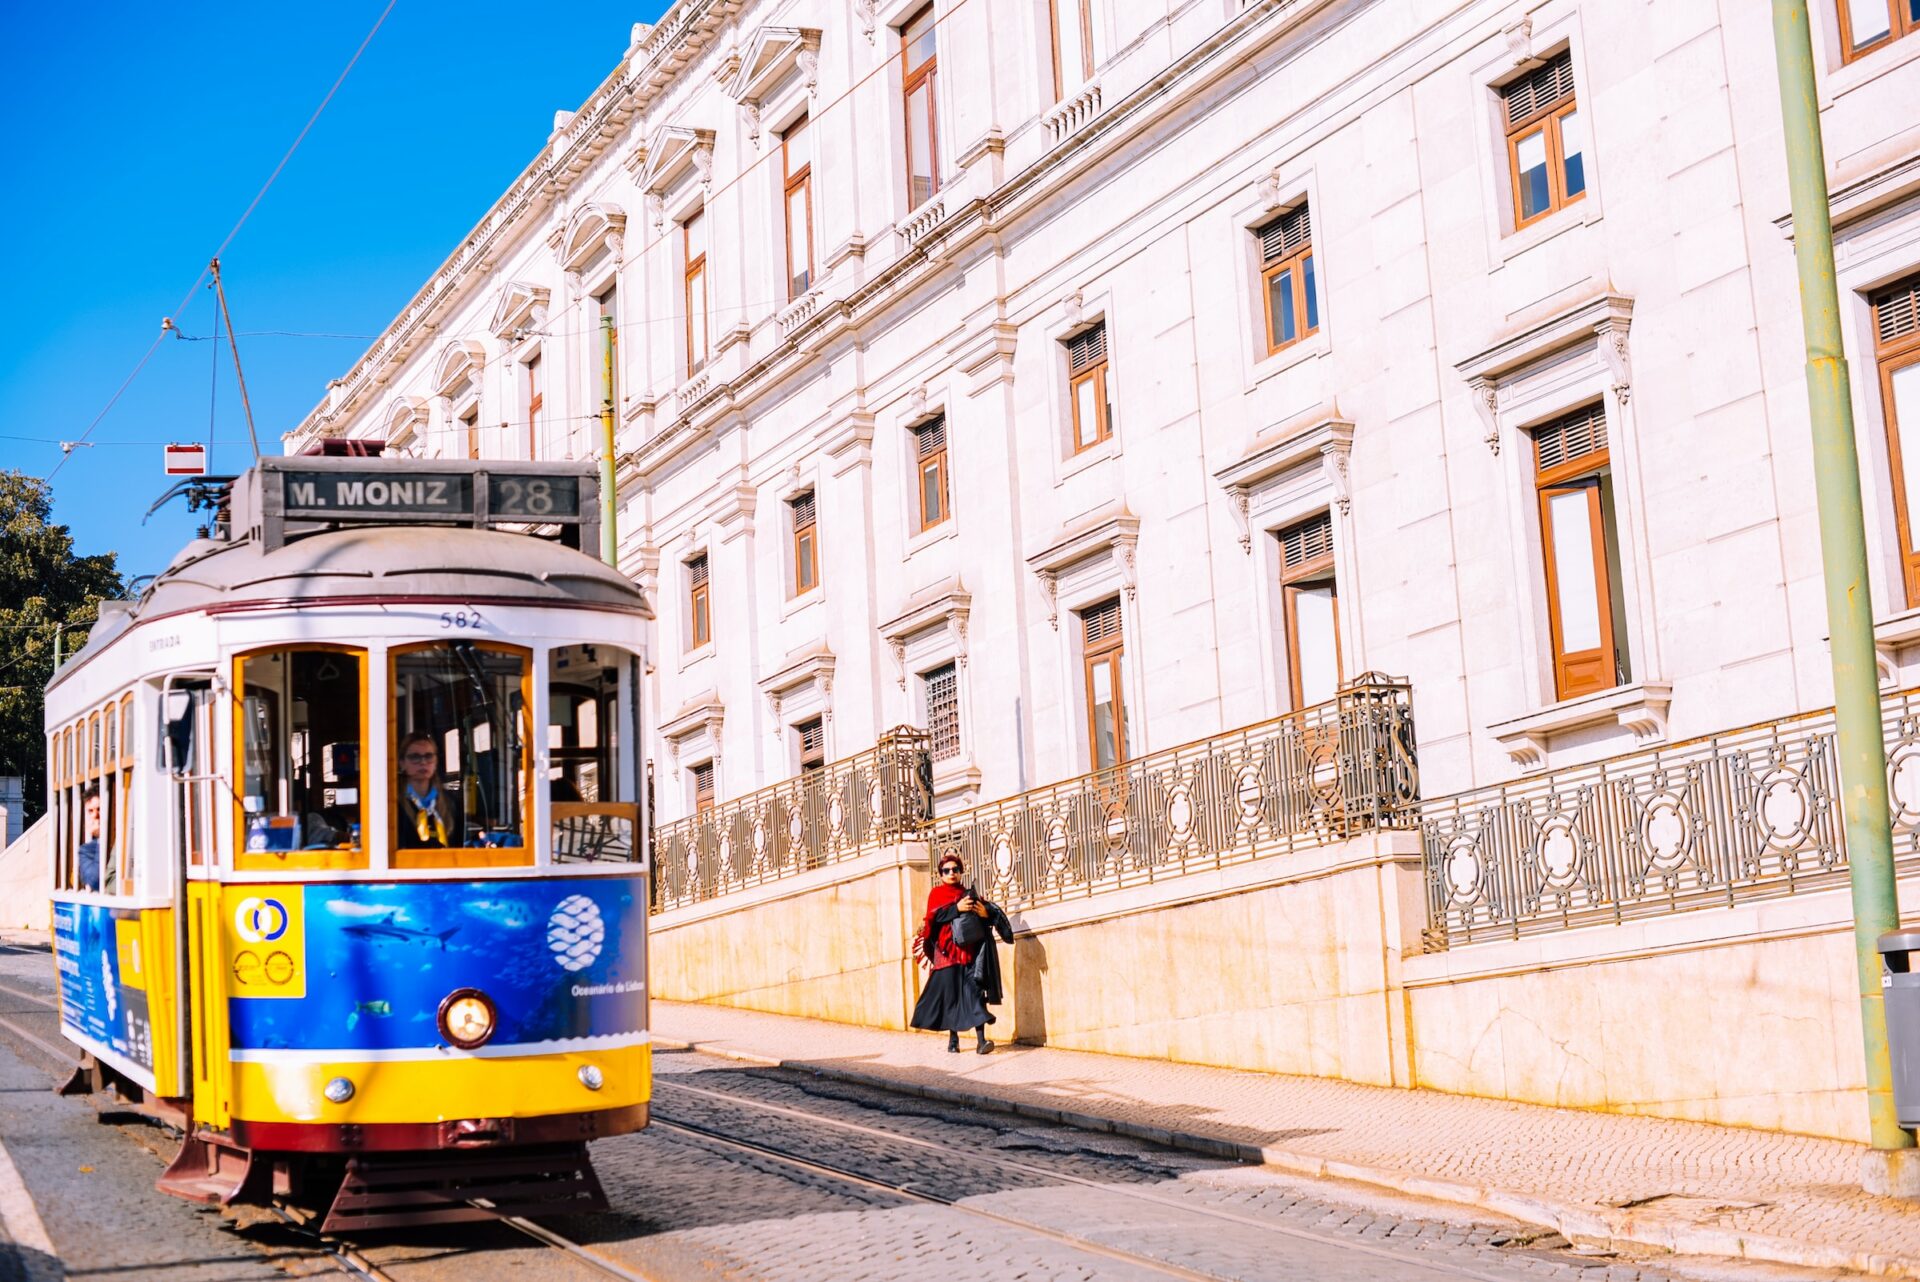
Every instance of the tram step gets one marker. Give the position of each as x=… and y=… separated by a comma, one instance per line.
x=390, y=1192
x=210, y=1170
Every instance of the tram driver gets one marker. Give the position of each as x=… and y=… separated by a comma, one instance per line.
x=428, y=819
x=89, y=852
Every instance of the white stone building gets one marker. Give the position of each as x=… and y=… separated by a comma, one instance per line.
x=1094, y=376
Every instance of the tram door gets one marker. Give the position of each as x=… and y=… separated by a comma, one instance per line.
x=186, y=719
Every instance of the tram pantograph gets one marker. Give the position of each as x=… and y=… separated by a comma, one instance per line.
x=349, y=868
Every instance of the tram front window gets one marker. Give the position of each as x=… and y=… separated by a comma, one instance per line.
x=462, y=763
x=301, y=729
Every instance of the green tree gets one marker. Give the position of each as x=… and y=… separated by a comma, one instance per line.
x=42, y=585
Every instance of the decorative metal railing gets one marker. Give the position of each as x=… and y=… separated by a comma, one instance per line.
x=841, y=810
x=1317, y=775
x=1739, y=816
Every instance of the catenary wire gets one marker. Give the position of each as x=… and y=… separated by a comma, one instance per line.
x=228, y=240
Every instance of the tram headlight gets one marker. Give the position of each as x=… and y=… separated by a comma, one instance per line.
x=338, y=1091
x=467, y=1018
x=591, y=1077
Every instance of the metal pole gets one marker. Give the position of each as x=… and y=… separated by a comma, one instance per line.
x=609, y=535
x=1843, y=556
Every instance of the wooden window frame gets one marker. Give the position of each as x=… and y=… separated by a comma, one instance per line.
x=1109, y=652
x=1891, y=355
x=1086, y=44
x=1294, y=580
x=536, y=401
x=816, y=757
x=1545, y=117
x=1296, y=260
x=913, y=78
x=796, y=180
x=245, y=860
x=521, y=856
x=470, y=428
x=699, y=602
x=1093, y=371
x=1576, y=475
x=803, y=512
x=696, y=274
x=1900, y=24
x=705, y=798
x=934, y=460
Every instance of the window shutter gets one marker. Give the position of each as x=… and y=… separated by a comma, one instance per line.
x=703, y=781
x=697, y=571
x=943, y=711
x=813, y=738
x=1572, y=436
x=1087, y=348
x=1896, y=312
x=803, y=511
x=1307, y=542
x=932, y=437
x=1101, y=622
x=1539, y=89
x=1286, y=234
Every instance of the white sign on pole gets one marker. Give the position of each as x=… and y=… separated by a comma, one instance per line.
x=186, y=460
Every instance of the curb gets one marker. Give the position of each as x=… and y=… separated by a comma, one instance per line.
x=1582, y=1223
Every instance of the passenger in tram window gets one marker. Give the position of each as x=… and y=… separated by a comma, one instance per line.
x=427, y=819
x=90, y=847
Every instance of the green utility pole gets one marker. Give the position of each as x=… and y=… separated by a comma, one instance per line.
x=609, y=533
x=1843, y=558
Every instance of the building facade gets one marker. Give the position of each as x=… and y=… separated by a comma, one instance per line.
x=1079, y=378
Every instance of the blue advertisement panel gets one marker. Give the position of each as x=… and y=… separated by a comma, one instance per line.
x=352, y=967
x=103, y=1001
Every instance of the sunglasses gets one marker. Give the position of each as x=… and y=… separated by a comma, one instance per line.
x=423, y=756
x=947, y=868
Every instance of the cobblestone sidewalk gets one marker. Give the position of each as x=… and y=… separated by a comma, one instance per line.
x=1600, y=1177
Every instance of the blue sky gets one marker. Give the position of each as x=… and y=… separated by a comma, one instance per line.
x=140, y=132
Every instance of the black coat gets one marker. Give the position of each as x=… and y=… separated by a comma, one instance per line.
x=985, y=968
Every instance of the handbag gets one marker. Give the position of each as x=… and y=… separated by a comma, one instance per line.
x=969, y=930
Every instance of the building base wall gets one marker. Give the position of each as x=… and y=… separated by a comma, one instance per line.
x=1309, y=963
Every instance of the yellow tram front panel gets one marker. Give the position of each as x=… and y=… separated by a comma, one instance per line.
x=331, y=982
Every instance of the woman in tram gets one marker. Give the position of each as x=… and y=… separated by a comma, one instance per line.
x=427, y=820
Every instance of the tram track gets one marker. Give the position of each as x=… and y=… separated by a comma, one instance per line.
x=1026, y=1170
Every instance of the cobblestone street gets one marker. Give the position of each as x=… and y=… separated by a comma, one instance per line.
x=762, y=1173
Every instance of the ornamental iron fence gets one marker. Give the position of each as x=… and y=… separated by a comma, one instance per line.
x=1321, y=774
x=1711, y=822
x=838, y=811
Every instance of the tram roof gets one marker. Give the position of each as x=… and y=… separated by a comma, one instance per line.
x=365, y=559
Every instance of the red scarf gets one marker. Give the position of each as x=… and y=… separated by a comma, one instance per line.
x=945, y=952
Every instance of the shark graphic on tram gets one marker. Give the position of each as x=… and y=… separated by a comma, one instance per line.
x=350, y=877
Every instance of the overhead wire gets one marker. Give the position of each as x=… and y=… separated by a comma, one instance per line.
x=228, y=240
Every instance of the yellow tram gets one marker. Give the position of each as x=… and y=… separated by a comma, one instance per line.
x=349, y=877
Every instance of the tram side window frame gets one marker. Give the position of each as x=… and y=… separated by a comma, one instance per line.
x=346, y=858
x=415, y=858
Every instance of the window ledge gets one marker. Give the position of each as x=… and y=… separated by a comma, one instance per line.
x=956, y=780
x=1313, y=347
x=1867, y=68
x=931, y=535
x=690, y=657
x=1891, y=636
x=795, y=604
x=1640, y=708
x=1075, y=463
x=1580, y=213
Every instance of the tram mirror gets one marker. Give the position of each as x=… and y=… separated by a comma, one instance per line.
x=178, y=715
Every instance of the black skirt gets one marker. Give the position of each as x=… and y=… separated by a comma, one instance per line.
x=950, y=1002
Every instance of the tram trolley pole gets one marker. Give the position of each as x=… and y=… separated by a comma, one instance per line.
x=1892, y=1167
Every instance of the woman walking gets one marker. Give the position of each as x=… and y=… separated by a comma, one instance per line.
x=952, y=999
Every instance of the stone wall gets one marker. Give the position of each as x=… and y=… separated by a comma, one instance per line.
x=26, y=879
x=1309, y=963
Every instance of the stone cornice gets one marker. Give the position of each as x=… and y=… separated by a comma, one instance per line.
x=680, y=34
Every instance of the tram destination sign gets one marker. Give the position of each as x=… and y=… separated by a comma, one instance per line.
x=430, y=496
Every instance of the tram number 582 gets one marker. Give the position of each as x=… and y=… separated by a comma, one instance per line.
x=468, y=620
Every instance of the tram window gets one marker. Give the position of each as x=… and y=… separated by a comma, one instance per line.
x=462, y=758
x=593, y=819
x=300, y=734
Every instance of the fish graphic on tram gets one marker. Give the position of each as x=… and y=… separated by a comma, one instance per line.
x=350, y=880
